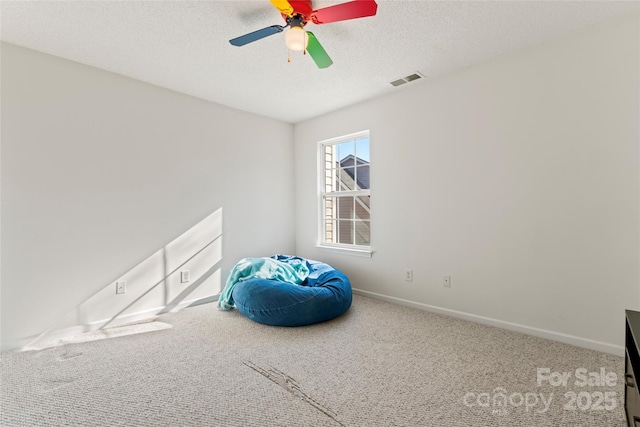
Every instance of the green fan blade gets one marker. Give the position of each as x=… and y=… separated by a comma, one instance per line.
x=317, y=52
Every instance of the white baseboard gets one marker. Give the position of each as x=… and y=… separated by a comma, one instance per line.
x=541, y=333
x=149, y=314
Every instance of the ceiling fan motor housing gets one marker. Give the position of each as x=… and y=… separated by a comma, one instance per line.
x=296, y=20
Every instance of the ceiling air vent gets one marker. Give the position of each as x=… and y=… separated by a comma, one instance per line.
x=415, y=76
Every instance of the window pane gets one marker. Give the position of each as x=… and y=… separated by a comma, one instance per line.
x=363, y=207
x=363, y=232
x=329, y=208
x=348, y=161
x=346, y=179
x=350, y=171
x=345, y=207
x=362, y=176
x=345, y=150
x=330, y=154
x=345, y=232
x=362, y=149
x=329, y=231
x=330, y=183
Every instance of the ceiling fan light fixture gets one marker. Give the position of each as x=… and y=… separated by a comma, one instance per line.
x=296, y=39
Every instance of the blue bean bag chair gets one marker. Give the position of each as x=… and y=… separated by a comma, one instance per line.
x=323, y=295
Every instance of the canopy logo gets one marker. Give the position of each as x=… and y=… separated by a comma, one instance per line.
x=500, y=401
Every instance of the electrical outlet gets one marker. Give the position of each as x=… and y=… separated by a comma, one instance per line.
x=408, y=275
x=121, y=287
x=446, y=281
x=185, y=276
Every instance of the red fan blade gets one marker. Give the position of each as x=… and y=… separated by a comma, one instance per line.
x=343, y=11
x=303, y=7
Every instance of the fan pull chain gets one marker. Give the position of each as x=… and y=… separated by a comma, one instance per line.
x=288, y=55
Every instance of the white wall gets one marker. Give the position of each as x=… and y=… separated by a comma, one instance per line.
x=100, y=172
x=518, y=177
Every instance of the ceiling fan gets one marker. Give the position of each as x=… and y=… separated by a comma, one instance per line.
x=297, y=14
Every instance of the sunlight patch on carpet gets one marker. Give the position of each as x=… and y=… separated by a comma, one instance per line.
x=101, y=334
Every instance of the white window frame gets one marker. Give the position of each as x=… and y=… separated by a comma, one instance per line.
x=342, y=248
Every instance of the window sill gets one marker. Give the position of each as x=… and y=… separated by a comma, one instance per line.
x=367, y=253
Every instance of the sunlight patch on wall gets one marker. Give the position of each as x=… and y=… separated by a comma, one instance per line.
x=154, y=286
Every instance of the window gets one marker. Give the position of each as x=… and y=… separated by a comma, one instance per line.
x=345, y=200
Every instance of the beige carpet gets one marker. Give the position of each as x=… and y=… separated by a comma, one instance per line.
x=378, y=365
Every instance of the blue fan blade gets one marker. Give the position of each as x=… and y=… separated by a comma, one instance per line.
x=256, y=35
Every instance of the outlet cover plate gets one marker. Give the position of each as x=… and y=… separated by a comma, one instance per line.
x=121, y=287
x=446, y=281
x=185, y=276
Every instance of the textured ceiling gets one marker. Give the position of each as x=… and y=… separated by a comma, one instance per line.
x=183, y=45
